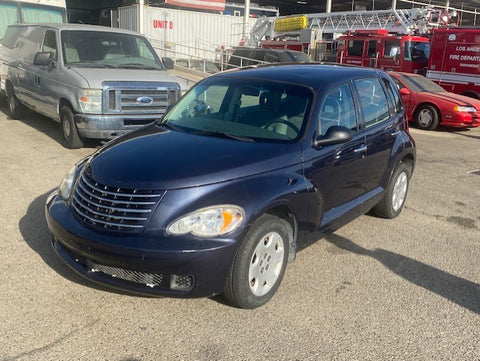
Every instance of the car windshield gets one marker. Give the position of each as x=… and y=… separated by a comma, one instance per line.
x=103, y=49
x=419, y=83
x=299, y=57
x=243, y=109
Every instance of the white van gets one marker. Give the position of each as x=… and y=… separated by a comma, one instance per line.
x=97, y=82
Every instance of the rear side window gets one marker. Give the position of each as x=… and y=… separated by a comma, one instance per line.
x=11, y=36
x=373, y=101
x=393, y=96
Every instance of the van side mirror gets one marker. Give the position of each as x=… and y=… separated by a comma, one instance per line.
x=168, y=63
x=336, y=134
x=44, y=59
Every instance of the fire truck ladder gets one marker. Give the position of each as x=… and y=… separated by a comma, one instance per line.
x=404, y=21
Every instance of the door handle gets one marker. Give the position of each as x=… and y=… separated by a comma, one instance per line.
x=395, y=133
x=362, y=148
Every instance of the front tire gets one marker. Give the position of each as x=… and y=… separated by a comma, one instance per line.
x=16, y=108
x=71, y=138
x=427, y=117
x=394, y=199
x=260, y=263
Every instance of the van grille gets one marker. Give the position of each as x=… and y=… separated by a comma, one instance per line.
x=138, y=97
x=113, y=208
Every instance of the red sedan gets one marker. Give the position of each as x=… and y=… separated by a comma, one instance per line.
x=428, y=105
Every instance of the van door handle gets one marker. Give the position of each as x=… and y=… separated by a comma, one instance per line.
x=362, y=148
x=394, y=134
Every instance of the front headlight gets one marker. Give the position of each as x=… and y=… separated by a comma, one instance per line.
x=208, y=222
x=90, y=100
x=65, y=188
x=460, y=108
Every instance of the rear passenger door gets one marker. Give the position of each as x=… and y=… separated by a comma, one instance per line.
x=382, y=114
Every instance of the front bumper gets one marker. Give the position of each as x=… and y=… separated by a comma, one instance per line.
x=111, y=126
x=138, y=263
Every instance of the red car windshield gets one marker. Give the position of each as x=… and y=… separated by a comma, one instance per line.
x=419, y=83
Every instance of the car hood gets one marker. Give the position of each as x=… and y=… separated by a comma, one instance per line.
x=96, y=76
x=456, y=99
x=157, y=158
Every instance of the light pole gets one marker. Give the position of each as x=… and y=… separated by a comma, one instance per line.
x=246, y=15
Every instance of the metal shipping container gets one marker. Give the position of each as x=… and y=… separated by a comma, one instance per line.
x=180, y=33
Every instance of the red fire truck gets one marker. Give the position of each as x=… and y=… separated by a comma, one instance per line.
x=379, y=49
x=455, y=60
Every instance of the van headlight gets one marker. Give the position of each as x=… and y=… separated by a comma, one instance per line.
x=65, y=188
x=90, y=100
x=208, y=222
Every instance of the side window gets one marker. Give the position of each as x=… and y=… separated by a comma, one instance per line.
x=11, y=36
x=338, y=109
x=393, y=95
x=372, y=48
x=373, y=101
x=355, y=47
x=392, y=49
x=50, y=43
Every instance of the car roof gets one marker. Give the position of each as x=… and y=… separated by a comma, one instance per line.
x=312, y=75
x=81, y=27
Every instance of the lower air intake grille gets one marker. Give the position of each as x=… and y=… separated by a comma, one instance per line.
x=148, y=279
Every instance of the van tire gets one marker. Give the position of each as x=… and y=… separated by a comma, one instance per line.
x=16, y=108
x=70, y=136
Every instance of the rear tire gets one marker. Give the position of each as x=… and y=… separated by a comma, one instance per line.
x=16, y=108
x=392, y=203
x=260, y=263
x=71, y=138
x=427, y=117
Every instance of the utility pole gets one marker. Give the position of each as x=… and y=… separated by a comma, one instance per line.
x=246, y=16
x=394, y=4
x=328, y=6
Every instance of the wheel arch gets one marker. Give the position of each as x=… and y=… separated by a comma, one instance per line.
x=285, y=213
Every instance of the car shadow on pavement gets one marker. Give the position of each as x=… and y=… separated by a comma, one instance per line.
x=36, y=234
x=458, y=290
x=47, y=126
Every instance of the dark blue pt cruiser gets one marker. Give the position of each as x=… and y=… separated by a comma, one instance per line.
x=215, y=196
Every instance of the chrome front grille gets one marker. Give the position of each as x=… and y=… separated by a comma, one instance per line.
x=113, y=208
x=139, y=98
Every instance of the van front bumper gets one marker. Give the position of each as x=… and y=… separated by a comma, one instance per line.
x=111, y=126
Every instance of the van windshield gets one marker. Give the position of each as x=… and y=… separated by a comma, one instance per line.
x=103, y=49
x=243, y=109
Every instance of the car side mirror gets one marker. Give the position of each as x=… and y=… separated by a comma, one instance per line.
x=404, y=91
x=44, y=59
x=336, y=134
x=168, y=63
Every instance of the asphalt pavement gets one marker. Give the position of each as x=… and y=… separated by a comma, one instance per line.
x=377, y=289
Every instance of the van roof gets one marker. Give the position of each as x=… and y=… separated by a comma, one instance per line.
x=78, y=27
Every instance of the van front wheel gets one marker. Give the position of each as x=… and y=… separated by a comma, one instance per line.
x=16, y=108
x=71, y=138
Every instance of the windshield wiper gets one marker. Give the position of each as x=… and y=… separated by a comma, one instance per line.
x=242, y=138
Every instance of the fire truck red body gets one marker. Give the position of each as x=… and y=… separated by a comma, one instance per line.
x=455, y=60
x=379, y=49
